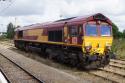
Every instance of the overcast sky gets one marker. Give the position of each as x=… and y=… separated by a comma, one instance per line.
x=36, y=11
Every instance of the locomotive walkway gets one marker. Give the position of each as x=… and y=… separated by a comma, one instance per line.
x=40, y=71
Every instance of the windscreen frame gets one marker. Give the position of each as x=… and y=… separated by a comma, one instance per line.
x=90, y=23
x=98, y=28
x=109, y=31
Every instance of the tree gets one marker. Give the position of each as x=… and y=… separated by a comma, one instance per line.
x=120, y=34
x=124, y=33
x=10, y=31
x=115, y=31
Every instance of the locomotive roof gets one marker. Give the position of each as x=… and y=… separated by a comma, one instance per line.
x=61, y=22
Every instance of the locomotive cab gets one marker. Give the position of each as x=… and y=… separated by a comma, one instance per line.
x=97, y=38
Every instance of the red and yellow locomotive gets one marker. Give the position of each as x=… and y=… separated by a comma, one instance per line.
x=79, y=41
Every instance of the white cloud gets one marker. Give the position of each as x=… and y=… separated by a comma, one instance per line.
x=37, y=11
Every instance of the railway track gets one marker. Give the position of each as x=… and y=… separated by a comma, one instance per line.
x=111, y=73
x=117, y=64
x=118, y=61
x=114, y=72
x=14, y=73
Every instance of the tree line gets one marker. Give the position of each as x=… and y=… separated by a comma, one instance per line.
x=116, y=33
x=10, y=31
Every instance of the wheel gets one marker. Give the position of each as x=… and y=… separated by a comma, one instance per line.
x=73, y=59
x=43, y=52
x=81, y=60
x=105, y=60
x=60, y=56
x=26, y=48
x=48, y=52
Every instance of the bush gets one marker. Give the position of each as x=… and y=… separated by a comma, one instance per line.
x=119, y=48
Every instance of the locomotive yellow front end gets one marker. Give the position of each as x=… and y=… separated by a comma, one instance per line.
x=97, y=43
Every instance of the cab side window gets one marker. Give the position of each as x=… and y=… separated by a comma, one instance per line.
x=73, y=31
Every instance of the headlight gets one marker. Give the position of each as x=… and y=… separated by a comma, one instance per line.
x=108, y=44
x=88, y=48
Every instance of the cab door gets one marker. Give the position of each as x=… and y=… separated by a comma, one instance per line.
x=76, y=34
x=73, y=34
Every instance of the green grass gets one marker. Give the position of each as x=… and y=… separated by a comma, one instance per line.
x=4, y=39
x=119, y=48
